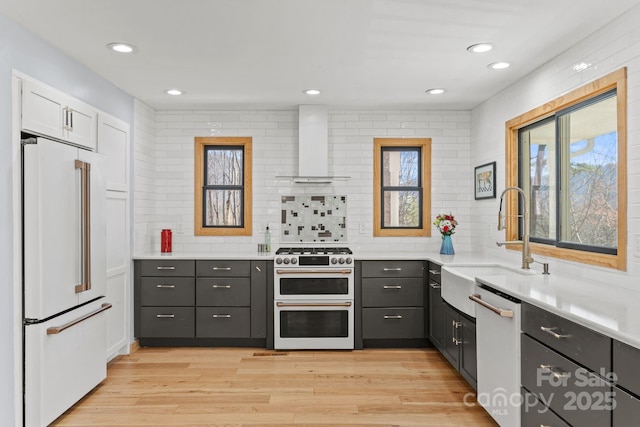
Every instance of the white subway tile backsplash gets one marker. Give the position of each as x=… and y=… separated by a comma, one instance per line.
x=164, y=186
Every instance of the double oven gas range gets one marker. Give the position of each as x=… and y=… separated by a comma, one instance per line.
x=313, y=298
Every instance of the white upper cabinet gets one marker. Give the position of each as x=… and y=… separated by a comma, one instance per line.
x=48, y=112
x=113, y=142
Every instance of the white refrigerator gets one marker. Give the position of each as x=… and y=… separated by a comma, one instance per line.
x=64, y=276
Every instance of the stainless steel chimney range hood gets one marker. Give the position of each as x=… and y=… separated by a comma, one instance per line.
x=313, y=147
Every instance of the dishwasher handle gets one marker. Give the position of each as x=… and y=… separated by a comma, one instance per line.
x=499, y=311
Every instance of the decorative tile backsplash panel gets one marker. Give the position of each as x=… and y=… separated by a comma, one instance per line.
x=308, y=218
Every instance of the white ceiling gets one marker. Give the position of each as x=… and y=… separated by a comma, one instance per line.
x=360, y=53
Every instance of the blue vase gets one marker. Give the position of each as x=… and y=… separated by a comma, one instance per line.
x=447, y=246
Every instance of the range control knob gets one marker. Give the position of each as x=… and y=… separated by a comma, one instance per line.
x=334, y=261
x=349, y=260
x=278, y=260
x=341, y=260
x=294, y=260
x=286, y=261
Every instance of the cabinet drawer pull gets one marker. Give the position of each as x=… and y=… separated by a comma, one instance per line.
x=392, y=287
x=221, y=316
x=221, y=286
x=221, y=268
x=556, y=373
x=435, y=285
x=435, y=272
x=258, y=268
x=392, y=269
x=166, y=286
x=553, y=333
x=165, y=316
x=394, y=316
x=165, y=268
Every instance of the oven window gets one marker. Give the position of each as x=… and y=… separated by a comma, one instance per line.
x=314, y=324
x=314, y=286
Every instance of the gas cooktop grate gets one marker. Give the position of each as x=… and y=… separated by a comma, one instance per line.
x=314, y=251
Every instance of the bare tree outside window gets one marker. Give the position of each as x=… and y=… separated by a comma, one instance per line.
x=223, y=187
x=401, y=191
x=572, y=180
x=222, y=175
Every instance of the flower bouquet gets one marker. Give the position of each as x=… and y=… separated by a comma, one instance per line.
x=446, y=225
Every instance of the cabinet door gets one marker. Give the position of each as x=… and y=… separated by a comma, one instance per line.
x=452, y=332
x=42, y=110
x=113, y=142
x=468, y=358
x=81, y=123
x=259, y=286
x=436, y=315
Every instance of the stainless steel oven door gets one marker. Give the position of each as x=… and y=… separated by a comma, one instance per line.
x=304, y=284
x=313, y=324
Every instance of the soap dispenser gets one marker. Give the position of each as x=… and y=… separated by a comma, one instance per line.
x=267, y=239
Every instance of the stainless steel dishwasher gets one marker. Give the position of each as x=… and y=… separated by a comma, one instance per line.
x=498, y=350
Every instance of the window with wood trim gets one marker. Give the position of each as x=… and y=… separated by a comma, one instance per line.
x=402, y=187
x=569, y=156
x=222, y=186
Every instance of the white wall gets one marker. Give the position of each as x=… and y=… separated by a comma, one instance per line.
x=614, y=46
x=275, y=152
x=23, y=51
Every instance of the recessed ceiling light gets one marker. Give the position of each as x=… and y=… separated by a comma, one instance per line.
x=499, y=65
x=174, y=92
x=435, y=91
x=312, y=92
x=581, y=66
x=122, y=47
x=480, y=47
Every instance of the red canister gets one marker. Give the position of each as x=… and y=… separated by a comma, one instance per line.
x=165, y=240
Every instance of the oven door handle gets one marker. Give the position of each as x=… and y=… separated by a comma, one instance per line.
x=313, y=272
x=312, y=304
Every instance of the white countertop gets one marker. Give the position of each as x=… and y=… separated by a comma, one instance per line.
x=605, y=308
x=608, y=309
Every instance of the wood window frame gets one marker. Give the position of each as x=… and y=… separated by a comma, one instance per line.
x=200, y=144
x=616, y=80
x=425, y=145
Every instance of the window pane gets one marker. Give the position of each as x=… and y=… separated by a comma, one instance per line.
x=542, y=183
x=223, y=208
x=224, y=166
x=591, y=165
x=401, y=208
x=400, y=168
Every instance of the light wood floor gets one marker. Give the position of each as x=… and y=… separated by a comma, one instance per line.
x=256, y=387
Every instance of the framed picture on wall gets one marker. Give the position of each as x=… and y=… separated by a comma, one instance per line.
x=485, y=181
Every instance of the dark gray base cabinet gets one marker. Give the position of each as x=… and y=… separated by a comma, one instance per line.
x=435, y=319
x=194, y=302
x=450, y=331
x=459, y=346
x=392, y=301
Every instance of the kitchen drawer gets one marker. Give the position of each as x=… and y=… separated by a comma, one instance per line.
x=435, y=270
x=167, y=268
x=575, y=394
x=535, y=414
x=625, y=366
x=223, y=291
x=392, y=292
x=392, y=323
x=223, y=268
x=223, y=322
x=171, y=291
x=627, y=410
x=167, y=322
x=392, y=269
x=578, y=343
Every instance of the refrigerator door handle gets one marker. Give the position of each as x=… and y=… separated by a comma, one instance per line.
x=85, y=206
x=57, y=329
